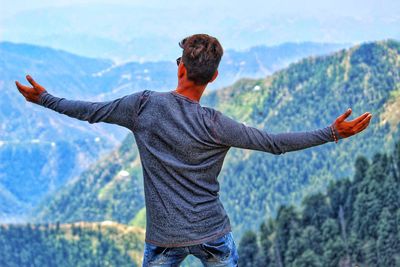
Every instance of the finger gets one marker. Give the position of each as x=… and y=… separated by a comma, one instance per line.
x=19, y=87
x=20, y=90
x=363, y=124
x=366, y=119
x=363, y=128
x=32, y=81
x=22, y=87
x=344, y=115
x=360, y=118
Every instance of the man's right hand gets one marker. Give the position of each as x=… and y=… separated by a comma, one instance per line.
x=31, y=94
x=348, y=128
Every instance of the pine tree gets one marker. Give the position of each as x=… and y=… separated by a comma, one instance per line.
x=308, y=259
x=248, y=249
x=311, y=239
x=368, y=204
x=397, y=248
x=361, y=166
x=387, y=240
x=370, y=255
x=396, y=162
x=286, y=219
x=391, y=194
x=315, y=211
x=333, y=246
x=341, y=194
x=295, y=246
x=264, y=257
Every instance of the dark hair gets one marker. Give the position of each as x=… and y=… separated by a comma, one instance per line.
x=201, y=56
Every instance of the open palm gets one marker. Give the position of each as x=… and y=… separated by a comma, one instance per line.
x=348, y=128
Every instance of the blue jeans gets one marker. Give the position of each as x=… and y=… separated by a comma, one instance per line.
x=220, y=252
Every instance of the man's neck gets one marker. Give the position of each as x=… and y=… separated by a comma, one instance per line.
x=191, y=91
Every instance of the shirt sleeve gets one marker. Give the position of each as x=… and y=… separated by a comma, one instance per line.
x=121, y=111
x=230, y=133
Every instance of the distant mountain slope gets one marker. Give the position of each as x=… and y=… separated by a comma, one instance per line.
x=260, y=61
x=41, y=150
x=307, y=95
x=114, y=182
x=35, y=157
x=255, y=62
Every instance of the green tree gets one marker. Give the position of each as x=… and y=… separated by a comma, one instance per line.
x=308, y=259
x=387, y=240
x=295, y=247
x=286, y=219
x=396, y=161
x=361, y=166
x=370, y=255
x=265, y=256
x=333, y=246
x=248, y=249
x=315, y=210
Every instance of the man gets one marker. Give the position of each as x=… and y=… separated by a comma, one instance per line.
x=182, y=146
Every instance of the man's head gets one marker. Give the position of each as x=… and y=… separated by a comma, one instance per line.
x=201, y=56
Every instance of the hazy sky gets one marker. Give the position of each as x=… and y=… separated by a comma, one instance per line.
x=111, y=28
x=363, y=9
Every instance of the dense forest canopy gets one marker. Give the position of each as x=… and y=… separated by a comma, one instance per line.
x=356, y=222
x=79, y=244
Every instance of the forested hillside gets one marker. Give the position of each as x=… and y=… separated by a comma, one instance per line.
x=41, y=150
x=78, y=244
x=356, y=222
x=305, y=96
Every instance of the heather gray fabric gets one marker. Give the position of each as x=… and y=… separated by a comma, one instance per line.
x=182, y=146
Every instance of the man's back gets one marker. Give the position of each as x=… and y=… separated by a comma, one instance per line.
x=181, y=162
x=182, y=147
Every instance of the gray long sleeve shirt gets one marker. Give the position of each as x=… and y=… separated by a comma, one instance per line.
x=182, y=147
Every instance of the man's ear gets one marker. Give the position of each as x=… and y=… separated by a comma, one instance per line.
x=214, y=76
x=181, y=71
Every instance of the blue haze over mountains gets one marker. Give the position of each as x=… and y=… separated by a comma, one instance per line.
x=40, y=150
x=149, y=30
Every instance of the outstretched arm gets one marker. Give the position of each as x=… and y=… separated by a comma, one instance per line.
x=120, y=111
x=228, y=132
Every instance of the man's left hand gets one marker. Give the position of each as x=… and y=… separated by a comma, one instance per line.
x=348, y=128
